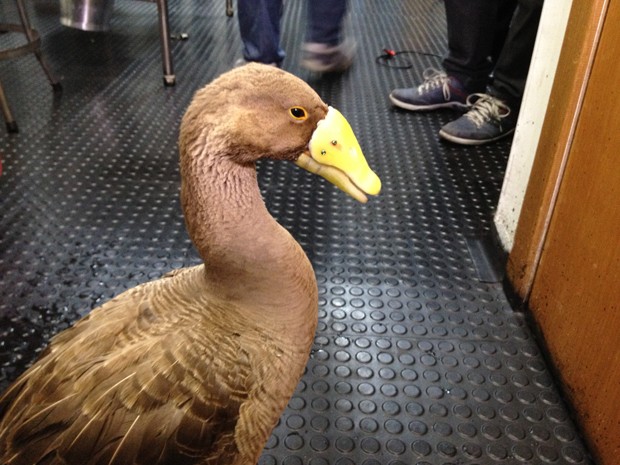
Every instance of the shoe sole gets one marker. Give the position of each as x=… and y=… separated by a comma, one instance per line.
x=436, y=106
x=462, y=141
x=318, y=67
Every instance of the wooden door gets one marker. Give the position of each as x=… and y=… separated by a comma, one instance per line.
x=566, y=260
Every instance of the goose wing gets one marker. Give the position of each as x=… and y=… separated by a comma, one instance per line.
x=130, y=384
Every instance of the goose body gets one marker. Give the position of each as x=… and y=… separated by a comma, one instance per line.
x=196, y=367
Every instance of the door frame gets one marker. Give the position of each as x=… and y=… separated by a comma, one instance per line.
x=579, y=48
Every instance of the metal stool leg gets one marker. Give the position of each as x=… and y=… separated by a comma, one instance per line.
x=11, y=124
x=164, y=30
x=31, y=38
x=33, y=45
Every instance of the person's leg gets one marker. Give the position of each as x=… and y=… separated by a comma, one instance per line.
x=474, y=27
x=494, y=115
x=471, y=38
x=325, y=18
x=259, y=25
x=505, y=13
x=325, y=49
x=513, y=63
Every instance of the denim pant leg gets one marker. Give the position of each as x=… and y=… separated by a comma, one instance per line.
x=259, y=26
x=513, y=63
x=474, y=27
x=325, y=19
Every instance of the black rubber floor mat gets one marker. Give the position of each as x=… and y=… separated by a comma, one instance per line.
x=415, y=360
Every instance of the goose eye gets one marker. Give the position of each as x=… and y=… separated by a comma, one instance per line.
x=298, y=113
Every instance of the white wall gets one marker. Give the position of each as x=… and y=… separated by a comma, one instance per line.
x=540, y=79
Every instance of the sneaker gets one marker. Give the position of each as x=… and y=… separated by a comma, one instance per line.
x=488, y=120
x=323, y=58
x=437, y=91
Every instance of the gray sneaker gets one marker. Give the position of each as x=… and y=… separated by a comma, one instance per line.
x=437, y=91
x=323, y=58
x=488, y=120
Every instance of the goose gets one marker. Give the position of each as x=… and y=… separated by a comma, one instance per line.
x=197, y=366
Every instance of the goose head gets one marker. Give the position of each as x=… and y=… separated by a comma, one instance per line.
x=259, y=111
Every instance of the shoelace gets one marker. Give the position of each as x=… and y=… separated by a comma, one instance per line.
x=433, y=79
x=484, y=107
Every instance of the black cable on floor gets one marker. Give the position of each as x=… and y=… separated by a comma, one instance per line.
x=393, y=59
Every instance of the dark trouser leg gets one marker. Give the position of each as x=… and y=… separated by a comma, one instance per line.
x=472, y=29
x=514, y=61
x=259, y=25
x=505, y=13
x=325, y=21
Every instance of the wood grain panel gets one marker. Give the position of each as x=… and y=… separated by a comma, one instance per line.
x=555, y=139
x=576, y=286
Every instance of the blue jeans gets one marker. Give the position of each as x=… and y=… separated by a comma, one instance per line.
x=260, y=21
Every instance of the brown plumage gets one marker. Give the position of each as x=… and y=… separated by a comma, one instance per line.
x=194, y=368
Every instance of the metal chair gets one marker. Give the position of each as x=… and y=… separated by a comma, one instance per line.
x=164, y=30
x=94, y=15
x=33, y=45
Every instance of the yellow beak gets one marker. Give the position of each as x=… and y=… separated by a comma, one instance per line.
x=335, y=154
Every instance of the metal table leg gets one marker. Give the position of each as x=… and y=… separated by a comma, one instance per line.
x=162, y=10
